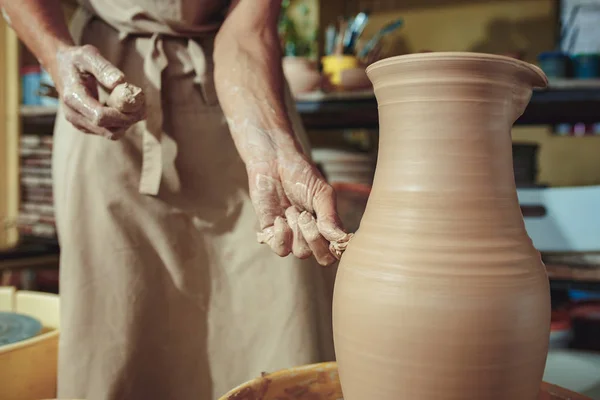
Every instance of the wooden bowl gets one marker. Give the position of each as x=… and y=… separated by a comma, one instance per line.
x=28, y=368
x=321, y=382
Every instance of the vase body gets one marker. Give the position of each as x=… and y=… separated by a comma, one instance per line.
x=441, y=294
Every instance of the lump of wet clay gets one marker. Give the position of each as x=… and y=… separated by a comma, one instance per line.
x=126, y=98
x=338, y=247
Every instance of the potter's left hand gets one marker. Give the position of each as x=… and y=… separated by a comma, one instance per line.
x=296, y=208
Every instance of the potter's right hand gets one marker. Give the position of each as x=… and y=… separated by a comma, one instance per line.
x=77, y=72
x=296, y=207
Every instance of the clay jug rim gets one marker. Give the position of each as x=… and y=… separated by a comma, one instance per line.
x=541, y=81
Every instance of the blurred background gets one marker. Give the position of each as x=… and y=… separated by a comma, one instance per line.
x=327, y=44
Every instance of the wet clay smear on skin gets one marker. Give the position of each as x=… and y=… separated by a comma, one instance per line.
x=126, y=98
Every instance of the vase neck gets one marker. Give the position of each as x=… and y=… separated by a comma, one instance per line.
x=444, y=171
x=461, y=146
x=445, y=121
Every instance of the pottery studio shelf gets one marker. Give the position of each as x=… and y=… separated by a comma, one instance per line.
x=563, y=276
x=564, y=101
x=38, y=115
x=30, y=253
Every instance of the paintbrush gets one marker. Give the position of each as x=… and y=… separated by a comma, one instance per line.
x=356, y=28
x=386, y=30
x=374, y=54
x=330, y=35
x=339, y=44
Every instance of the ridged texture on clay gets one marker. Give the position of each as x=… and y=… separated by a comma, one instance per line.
x=441, y=294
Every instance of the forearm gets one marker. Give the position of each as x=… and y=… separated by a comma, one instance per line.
x=295, y=206
x=41, y=26
x=250, y=81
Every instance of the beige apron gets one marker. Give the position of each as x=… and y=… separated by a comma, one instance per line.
x=165, y=293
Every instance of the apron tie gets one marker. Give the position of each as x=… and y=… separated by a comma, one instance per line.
x=203, y=77
x=154, y=64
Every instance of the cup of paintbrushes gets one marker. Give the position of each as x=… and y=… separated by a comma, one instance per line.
x=340, y=64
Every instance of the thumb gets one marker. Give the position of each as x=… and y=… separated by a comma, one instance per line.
x=90, y=60
x=328, y=221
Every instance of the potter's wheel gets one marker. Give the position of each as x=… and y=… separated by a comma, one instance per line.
x=321, y=382
x=17, y=327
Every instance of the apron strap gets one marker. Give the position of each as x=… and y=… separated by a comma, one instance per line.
x=79, y=21
x=203, y=77
x=154, y=64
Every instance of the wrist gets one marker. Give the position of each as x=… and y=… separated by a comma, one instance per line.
x=51, y=57
x=263, y=136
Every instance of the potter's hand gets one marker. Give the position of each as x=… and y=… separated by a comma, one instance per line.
x=288, y=192
x=77, y=72
x=286, y=189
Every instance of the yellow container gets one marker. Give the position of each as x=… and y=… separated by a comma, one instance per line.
x=334, y=65
x=321, y=382
x=28, y=368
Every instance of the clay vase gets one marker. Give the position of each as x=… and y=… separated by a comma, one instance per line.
x=441, y=294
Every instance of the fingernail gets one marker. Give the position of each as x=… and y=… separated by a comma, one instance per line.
x=114, y=77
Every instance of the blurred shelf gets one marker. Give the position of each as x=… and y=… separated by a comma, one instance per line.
x=38, y=111
x=332, y=96
x=31, y=253
x=582, y=277
x=564, y=101
x=41, y=117
x=574, y=83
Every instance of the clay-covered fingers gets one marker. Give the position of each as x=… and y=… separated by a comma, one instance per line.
x=328, y=221
x=300, y=247
x=99, y=118
x=316, y=242
x=278, y=237
x=87, y=59
x=324, y=204
x=81, y=70
x=102, y=126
